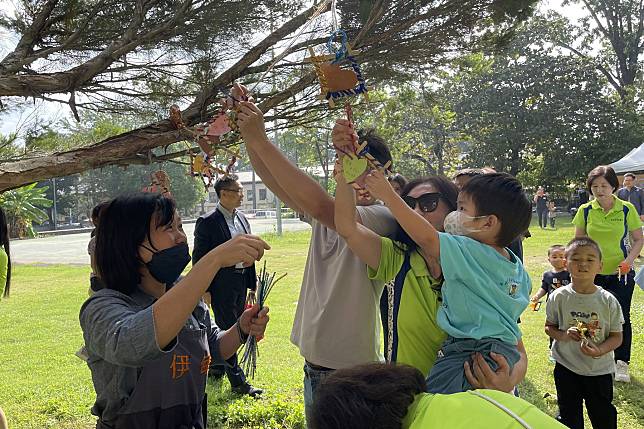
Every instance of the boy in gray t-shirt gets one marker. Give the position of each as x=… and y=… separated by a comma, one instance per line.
x=585, y=322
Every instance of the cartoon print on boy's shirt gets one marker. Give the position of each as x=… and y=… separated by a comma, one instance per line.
x=513, y=288
x=589, y=329
x=556, y=283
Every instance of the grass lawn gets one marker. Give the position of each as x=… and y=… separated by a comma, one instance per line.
x=43, y=385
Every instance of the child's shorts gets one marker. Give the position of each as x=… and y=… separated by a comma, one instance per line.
x=448, y=376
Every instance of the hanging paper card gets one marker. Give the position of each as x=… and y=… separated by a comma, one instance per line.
x=220, y=126
x=353, y=168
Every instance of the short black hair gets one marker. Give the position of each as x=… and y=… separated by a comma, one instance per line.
x=631, y=175
x=377, y=146
x=605, y=171
x=502, y=195
x=556, y=247
x=374, y=395
x=224, y=183
x=469, y=172
x=125, y=224
x=4, y=242
x=578, y=242
x=399, y=179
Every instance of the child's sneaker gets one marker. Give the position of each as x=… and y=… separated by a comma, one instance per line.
x=621, y=372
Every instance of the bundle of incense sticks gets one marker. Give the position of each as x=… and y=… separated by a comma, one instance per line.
x=265, y=283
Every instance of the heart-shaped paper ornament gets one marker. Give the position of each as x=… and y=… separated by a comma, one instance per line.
x=339, y=79
x=352, y=168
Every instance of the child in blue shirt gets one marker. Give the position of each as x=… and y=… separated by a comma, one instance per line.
x=486, y=287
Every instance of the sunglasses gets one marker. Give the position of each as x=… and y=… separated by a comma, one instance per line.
x=428, y=202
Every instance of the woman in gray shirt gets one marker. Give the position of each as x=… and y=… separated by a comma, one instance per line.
x=149, y=337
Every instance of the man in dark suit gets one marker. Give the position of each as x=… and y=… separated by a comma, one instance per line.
x=228, y=290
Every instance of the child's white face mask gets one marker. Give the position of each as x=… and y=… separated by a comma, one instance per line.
x=455, y=221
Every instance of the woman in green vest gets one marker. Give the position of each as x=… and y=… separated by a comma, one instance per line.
x=609, y=221
x=5, y=259
x=393, y=397
x=412, y=294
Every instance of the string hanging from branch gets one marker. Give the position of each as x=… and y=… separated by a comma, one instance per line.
x=265, y=283
x=208, y=138
x=340, y=77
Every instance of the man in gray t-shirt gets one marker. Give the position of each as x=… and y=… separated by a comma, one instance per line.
x=337, y=318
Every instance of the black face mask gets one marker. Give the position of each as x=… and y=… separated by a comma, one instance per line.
x=167, y=264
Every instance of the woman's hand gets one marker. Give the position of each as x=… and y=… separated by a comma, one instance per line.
x=243, y=248
x=481, y=376
x=378, y=186
x=253, y=321
x=251, y=122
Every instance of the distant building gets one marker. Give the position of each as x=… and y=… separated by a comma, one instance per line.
x=265, y=199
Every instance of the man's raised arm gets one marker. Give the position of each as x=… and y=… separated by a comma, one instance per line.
x=291, y=184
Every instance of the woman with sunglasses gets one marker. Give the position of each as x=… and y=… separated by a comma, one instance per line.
x=412, y=295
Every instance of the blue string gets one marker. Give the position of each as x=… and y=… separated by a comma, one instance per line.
x=341, y=53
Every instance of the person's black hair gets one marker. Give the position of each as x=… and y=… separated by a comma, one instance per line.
x=224, y=183
x=96, y=211
x=449, y=194
x=631, y=175
x=469, y=172
x=4, y=240
x=502, y=195
x=376, y=145
x=578, y=242
x=370, y=396
x=556, y=247
x=125, y=224
x=399, y=179
x=605, y=171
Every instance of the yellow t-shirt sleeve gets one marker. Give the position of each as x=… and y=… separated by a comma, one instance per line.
x=579, y=220
x=4, y=262
x=391, y=259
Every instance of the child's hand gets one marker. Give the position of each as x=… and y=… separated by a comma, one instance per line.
x=344, y=137
x=590, y=349
x=573, y=334
x=378, y=185
x=534, y=298
x=251, y=122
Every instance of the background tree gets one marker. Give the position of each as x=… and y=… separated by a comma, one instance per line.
x=120, y=56
x=23, y=206
x=610, y=37
x=528, y=101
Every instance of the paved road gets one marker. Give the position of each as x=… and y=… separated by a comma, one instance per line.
x=72, y=249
